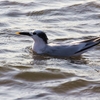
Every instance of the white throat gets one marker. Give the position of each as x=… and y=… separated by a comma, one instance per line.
x=39, y=46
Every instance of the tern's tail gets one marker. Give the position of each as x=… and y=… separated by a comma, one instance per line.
x=89, y=44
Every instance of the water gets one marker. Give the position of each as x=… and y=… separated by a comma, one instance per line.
x=27, y=76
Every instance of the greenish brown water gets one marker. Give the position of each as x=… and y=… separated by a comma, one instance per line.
x=27, y=76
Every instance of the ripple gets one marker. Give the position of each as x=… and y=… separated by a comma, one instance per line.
x=85, y=11
x=14, y=13
x=8, y=3
x=3, y=25
x=40, y=76
x=44, y=77
x=81, y=86
x=96, y=89
x=84, y=7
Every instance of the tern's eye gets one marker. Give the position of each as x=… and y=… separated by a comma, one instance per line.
x=34, y=33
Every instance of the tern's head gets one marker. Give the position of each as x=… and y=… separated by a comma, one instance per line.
x=36, y=35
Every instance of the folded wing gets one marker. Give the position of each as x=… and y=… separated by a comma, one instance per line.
x=88, y=45
x=73, y=49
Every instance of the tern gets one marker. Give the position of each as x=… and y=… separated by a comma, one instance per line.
x=41, y=45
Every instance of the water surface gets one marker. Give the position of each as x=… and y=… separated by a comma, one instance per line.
x=27, y=76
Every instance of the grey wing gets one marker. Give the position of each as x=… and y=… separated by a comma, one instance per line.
x=65, y=51
x=73, y=49
x=88, y=45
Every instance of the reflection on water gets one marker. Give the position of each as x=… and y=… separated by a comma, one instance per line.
x=25, y=75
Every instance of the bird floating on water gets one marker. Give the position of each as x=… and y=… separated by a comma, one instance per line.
x=41, y=46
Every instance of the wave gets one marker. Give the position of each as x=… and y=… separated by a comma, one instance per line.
x=76, y=8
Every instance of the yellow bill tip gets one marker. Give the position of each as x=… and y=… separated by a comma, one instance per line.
x=18, y=33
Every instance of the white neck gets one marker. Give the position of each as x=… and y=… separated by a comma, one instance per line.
x=39, y=46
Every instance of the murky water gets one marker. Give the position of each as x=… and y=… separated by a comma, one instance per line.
x=27, y=76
